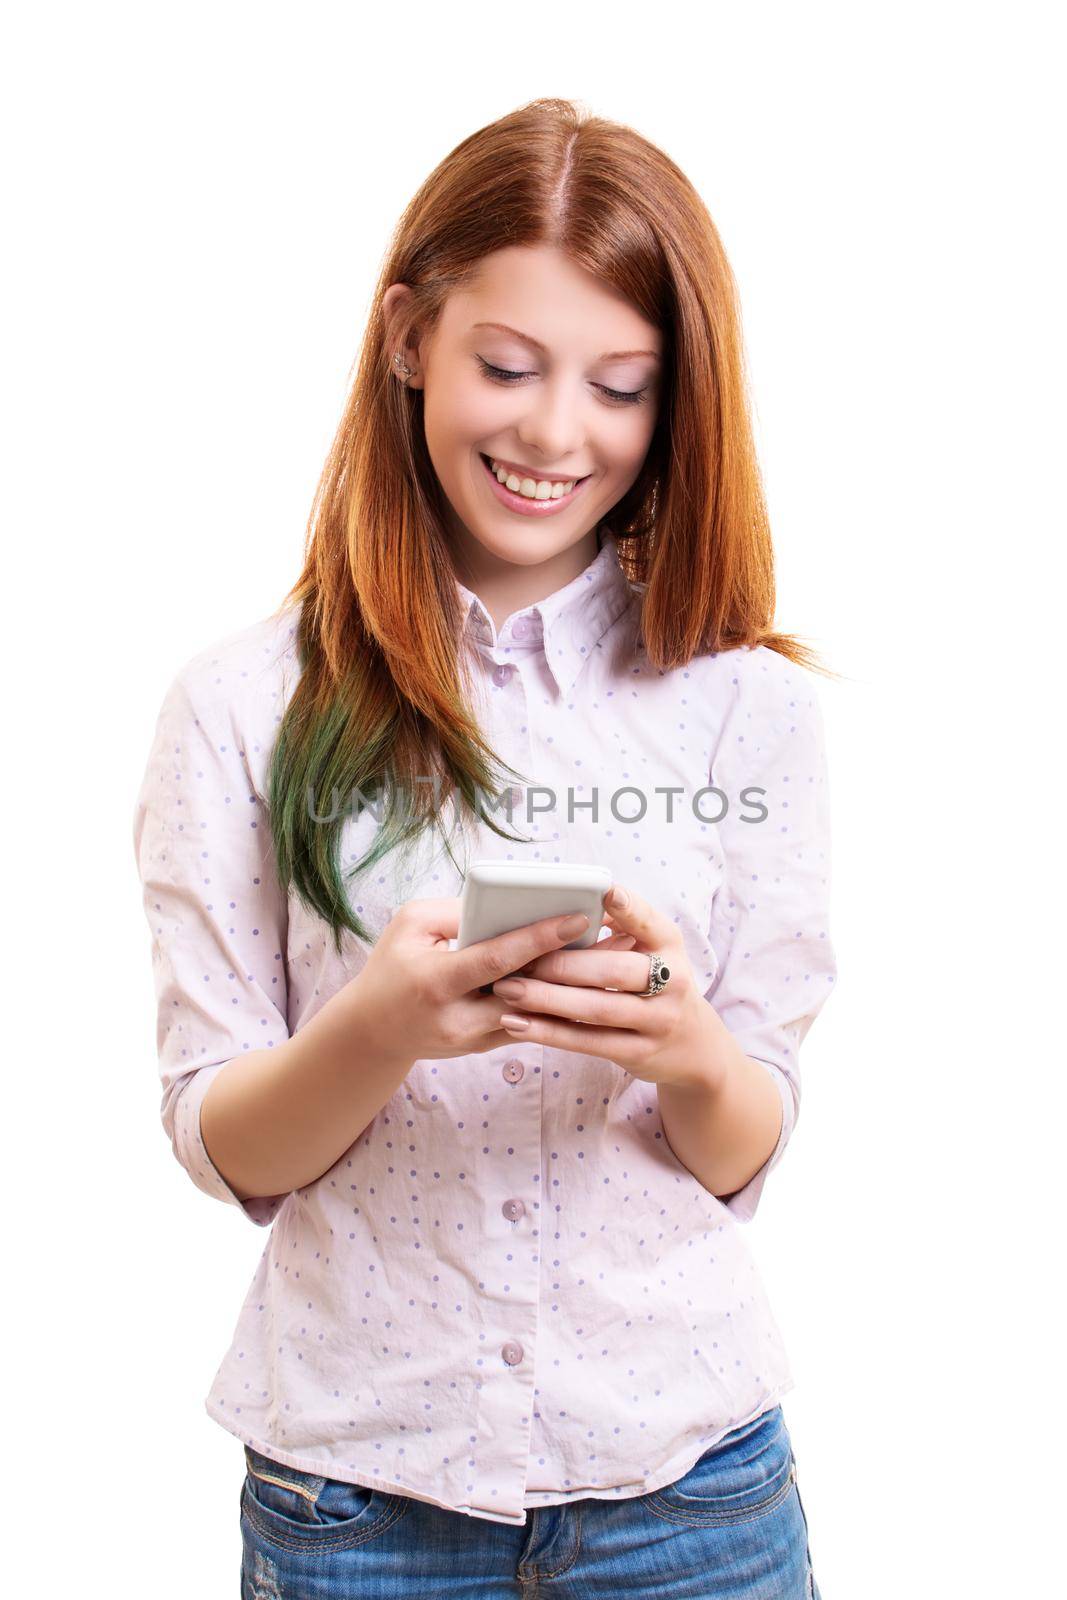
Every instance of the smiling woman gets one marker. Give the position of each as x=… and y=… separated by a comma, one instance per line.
x=568, y=410
x=539, y=550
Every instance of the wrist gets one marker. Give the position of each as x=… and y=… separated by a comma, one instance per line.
x=702, y=1078
x=350, y=1028
x=712, y=1059
x=374, y=1020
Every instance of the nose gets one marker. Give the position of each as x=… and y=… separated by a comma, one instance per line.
x=551, y=428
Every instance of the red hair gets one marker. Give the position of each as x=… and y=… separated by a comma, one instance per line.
x=381, y=697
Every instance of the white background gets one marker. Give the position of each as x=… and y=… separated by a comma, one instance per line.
x=197, y=199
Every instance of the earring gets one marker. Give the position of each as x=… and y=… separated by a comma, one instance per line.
x=405, y=371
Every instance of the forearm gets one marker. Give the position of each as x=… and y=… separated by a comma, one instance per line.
x=724, y=1125
x=275, y=1120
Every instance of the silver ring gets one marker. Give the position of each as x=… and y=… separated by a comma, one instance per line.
x=658, y=973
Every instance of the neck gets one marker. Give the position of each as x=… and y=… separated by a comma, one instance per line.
x=505, y=587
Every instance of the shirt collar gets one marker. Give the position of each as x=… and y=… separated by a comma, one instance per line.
x=566, y=625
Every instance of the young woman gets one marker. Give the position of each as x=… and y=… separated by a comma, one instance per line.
x=506, y=1330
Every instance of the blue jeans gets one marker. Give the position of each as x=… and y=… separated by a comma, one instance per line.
x=732, y=1528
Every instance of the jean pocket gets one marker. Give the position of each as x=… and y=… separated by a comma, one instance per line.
x=292, y=1507
x=745, y=1475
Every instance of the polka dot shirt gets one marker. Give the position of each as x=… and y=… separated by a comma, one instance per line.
x=509, y=1292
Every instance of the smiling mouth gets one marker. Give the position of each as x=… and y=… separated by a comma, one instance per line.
x=534, y=476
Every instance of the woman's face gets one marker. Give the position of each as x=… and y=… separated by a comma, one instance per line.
x=582, y=404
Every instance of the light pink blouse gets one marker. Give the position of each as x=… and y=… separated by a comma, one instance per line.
x=508, y=1292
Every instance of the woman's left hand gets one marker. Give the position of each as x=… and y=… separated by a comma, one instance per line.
x=589, y=1001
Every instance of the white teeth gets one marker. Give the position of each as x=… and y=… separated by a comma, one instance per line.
x=532, y=488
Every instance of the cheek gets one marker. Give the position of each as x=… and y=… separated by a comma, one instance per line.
x=623, y=472
x=627, y=449
x=460, y=416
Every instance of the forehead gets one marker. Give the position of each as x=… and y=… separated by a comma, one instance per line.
x=544, y=294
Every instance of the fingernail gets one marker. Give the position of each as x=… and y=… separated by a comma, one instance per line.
x=572, y=925
x=514, y=1024
x=618, y=897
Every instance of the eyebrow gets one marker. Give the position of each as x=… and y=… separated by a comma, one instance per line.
x=610, y=355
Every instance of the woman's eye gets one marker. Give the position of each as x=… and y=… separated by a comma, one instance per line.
x=632, y=397
x=505, y=375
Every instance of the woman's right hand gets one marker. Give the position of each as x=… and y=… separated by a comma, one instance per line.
x=422, y=999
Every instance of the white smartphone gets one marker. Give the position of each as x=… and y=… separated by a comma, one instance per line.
x=499, y=896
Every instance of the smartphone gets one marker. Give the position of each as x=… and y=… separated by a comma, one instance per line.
x=499, y=896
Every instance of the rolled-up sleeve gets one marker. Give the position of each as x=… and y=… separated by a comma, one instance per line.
x=770, y=920
x=216, y=912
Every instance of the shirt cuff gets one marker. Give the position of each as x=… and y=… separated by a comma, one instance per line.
x=743, y=1202
x=191, y=1151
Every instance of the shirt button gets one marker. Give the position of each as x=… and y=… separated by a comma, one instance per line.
x=513, y=1070
x=513, y=1209
x=502, y=674
x=512, y=1353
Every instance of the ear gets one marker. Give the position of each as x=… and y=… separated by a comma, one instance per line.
x=399, y=335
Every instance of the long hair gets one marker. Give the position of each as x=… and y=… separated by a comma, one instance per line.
x=382, y=696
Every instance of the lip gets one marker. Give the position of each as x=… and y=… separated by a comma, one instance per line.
x=523, y=505
x=529, y=472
